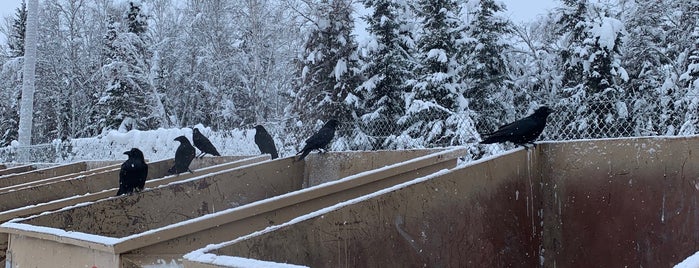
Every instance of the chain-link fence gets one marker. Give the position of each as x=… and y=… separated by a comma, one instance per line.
x=429, y=129
x=40, y=153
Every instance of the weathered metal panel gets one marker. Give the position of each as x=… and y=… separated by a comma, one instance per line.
x=168, y=206
x=282, y=209
x=622, y=202
x=594, y=203
x=477, y=216
x=85, y=187
x=83, y=184
x=44, y=253
x=17, y=169
x=321, y=168
x=43, y=173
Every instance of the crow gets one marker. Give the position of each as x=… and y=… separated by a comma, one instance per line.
x=320, y=139
x=183, y=156
x=523, y=131
x=133, y=173
x=265, y=142
x=203, y=144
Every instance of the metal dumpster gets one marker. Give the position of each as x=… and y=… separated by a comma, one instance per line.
x=593, y=203
x=170, y=220
x=40, y=195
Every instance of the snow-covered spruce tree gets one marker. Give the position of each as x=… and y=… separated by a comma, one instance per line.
x=329, y=68
x=437, y=112
x=593, y=102
x=651, y=74
x=10, y=81
x=205, y=72
x=267, y=43
x=388, y=66
x=684, y=47
x=15, y=41
x=10, y=78
x=532, y=60
x=124, y=103
x=53, y=98
x=485, y=68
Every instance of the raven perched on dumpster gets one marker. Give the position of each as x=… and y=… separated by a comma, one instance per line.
x=203, y=144
x=523, y=131
x=265, y=142
x=183, y=156
x=133, y=173
x=320, y=139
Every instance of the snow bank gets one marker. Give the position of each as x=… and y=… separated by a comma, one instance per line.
x=238, y=262
x=158, y=144
x=690, y=262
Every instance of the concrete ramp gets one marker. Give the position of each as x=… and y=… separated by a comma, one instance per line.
x=594, y=203
x=165, y=222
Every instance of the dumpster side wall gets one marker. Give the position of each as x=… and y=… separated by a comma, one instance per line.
x=9, y=180
x=321, y=168
x=32, y=252
x=622, y=203
x=485, y=215
x=270, y=216
x=161, y=206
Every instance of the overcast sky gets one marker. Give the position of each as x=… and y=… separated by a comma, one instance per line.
x=517, y=10
x=7, y=7
x=527, y=10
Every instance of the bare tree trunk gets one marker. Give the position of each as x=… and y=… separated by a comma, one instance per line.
x=26, y=112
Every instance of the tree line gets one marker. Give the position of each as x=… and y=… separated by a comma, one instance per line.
x=422, y=73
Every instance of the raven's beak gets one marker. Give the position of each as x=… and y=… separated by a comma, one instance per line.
x=127, y=152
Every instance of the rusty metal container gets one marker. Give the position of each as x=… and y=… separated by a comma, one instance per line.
x=167, y=221
x=57, y=187
x=592, y=203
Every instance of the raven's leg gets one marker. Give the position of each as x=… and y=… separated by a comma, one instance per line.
x=190, y=171
x=200, y=155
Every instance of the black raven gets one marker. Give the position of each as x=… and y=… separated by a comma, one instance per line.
x=203, y=144
x=265, y=142
x=183, y=156
x=133, y=173
x=523, y=131
x=320, y=139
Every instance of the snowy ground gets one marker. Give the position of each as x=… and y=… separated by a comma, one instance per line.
x=690, y=262
x=160, y=144
x=156, y=145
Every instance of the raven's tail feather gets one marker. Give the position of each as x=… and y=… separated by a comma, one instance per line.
x=304, y=154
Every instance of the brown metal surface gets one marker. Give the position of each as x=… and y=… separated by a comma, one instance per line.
x=83, y=184
x=127, y=215
x=601, y=203
x=46, y=180
x=622, y=203
x=168, y=206
x=478, y=216
x=85, y=187
x=43, y=173
x=17, y=169
x=238, y=223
